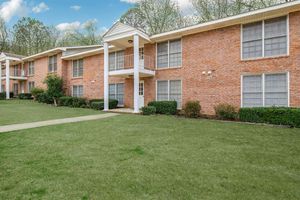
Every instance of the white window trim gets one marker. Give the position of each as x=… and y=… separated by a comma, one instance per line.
x=115, y=66
x=78, y=68
x=263, y=85
x=52, y=70
x=263, y=40
x=156, y=83
x=77, y=95
x=168, y=67
x=32, y=68
x=115, y=85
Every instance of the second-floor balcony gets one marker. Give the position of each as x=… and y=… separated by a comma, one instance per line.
x=16, y=74
x=123, y=66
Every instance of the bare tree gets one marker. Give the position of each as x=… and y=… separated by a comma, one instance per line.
x=154, y=16
x=4, y=41
x=215, y=9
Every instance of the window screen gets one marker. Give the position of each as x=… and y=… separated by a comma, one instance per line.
x=276, y=90
x=116, y=91
x=162, y=55
x=31, y=68
x=52, y=63
x=252, y=91
x=252, y=40
x=276, y=36
x=77, y=91
x=120, y=60
x=112, y=61
x=162, y=91
x=175, y=53
x=78, y=68
x=175, y=92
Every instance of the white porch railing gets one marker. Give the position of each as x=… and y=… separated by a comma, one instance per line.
x=127, y=62
x=14, y=73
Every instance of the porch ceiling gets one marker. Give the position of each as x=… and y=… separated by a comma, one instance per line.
x=127, y=73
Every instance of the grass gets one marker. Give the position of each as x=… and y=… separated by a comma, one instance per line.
x=22, y=111
x=151, y=157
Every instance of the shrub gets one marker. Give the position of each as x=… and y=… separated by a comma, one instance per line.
x=35, y=91
x=3, y=95
x=25, y=96
x=44, y=98
x=65, y=101
x=272, y=115
x=164, y=107
x=79, y=102
x=148, y=110
x=99, y=104
x=54, y=87
x=226, y=111
x=95, y=100
x=192, y=109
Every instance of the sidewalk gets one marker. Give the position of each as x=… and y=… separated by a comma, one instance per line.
x=16, y=127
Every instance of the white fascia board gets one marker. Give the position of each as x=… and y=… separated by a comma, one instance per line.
x=84, y=54
x=126, y=34
x=44, y=53
x=256, y=15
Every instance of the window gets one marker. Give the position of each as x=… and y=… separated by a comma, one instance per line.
x=77, y=91
x=30, y=85
x=16, y=70
x=169, y=91
x=265, y=90
x=16, y=89
x=3, y=88
x=78, y=68
x=52, y=63
x=30, y=68
x=264, y=39
x=116, y=91
x=116, y=60
x=169, y=54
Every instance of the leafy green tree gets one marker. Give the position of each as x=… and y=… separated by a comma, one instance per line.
x=31, y=36
x=4, y=37
x=54, y=87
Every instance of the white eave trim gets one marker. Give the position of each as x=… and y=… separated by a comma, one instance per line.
x=126, y=34
x=43, y=53
x=83, y=54
x=269, y=12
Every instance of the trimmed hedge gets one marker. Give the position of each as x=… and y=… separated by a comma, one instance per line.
x=25, y=96
x=99, y=104
x=226, y=111
x=3, y=95
x=164, y=107
x=44, y=98
x=273, y=115
x=73, y=102
x=148, y=110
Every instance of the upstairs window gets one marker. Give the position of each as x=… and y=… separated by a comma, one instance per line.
x=78, y=68
x=169, y=54
x=52, y=67
x=265, y=38
x=30, y=68
x=116, y=60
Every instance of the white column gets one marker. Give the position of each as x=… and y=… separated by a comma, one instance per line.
x=106, y=100
x=7, y=79
x=136, y=72
x=0, y=76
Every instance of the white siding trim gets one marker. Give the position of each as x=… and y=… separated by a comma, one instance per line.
x=288, y=33
x=242, y=79
x=263, y=89
x=288, y=87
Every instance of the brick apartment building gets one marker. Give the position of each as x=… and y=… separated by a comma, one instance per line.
x=247, y=60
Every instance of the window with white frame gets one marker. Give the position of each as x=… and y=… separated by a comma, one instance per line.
x=30, y=86
x=52, y=67
x=31, y=68
x=265, y=38
x=16, y=70
x=169, y=90
x=116, y=91
x=3, y=88
x=77, y=91
x=169, y=54
x=265, y=90
x=116, y=60
x=78, y=68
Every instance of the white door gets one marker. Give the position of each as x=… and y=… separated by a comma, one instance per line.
x=141, y=94
x=141, y=55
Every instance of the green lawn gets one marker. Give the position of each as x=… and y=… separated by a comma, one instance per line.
x=156, y=157
x=21, y=111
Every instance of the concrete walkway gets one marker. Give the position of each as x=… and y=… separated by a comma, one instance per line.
x=16, y=127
